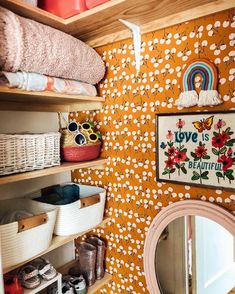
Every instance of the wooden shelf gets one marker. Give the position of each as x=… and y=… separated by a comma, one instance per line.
x=98, y=284
x=15, y=99
x=57, y=242
x=101, y=25
x=66, y=166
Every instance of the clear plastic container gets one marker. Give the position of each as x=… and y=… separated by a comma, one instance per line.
x=62, y=8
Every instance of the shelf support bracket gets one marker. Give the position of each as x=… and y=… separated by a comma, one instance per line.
x=137, y=41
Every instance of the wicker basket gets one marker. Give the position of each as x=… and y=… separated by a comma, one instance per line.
x=27, y=152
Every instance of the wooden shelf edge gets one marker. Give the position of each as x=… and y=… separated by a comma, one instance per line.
x=98, y=284
x=173, y=19
x=67, y=166
x=18, y=100
x=58, y=241
x=48, y=95
x=48, y=107
x=91, y=12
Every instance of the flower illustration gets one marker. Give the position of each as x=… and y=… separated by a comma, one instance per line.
x=224, y=143
x=227, y=162
x=180, y=156
x=169, y=135
x=219, y=124
x=180, y=123
x=199, y=154
x=169, y=163
x=171, y=151
x=218, y=141
x=230, y=152
x=201, y=151
x=224, y=136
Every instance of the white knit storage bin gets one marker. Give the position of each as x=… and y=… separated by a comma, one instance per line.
x=27, y=152
x=75, y=217
x=18, y=246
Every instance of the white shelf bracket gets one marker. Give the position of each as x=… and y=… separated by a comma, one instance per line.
x=137, y=41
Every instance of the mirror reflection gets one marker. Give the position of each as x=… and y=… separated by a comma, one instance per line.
x=195, y=255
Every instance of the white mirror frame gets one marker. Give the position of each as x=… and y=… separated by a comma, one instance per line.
x=166, y=216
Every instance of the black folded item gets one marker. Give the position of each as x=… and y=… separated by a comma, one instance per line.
x=61, y=195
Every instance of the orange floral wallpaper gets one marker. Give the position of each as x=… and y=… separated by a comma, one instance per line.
x=127, y=122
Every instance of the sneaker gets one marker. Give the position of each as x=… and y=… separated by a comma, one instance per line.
x=78, y=284
x=66, y=287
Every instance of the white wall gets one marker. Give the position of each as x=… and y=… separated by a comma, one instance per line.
x=34, y=122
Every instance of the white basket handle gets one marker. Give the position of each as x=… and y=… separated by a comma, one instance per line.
x=91, y=200
x=32, y=222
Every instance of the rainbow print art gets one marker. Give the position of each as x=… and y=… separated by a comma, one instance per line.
x=208, y=95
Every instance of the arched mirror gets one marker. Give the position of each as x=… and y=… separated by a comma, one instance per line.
x=190, y=249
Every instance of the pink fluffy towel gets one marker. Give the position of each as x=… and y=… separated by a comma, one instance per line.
x=26, y=45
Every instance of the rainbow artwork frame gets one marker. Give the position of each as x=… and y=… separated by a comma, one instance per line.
x=208, y=94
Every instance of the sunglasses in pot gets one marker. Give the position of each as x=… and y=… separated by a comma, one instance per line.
x=80, y=129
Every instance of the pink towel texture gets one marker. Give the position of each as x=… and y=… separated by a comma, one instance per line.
x=26, y=45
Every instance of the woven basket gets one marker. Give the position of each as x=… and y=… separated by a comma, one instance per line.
x=81, y=215
x=24, y=239
x=27, y=152
x=74, y=153
x=81, y=153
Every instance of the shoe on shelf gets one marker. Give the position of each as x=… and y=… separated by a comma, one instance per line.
x=87, y=262
x=100, y=254
x=29, y=277
x=45, y=269
x=78, y=284
x=66, y=287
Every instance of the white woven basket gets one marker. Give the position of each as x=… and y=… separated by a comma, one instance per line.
x=81, y=215
x=18, y=246
x=27, y=152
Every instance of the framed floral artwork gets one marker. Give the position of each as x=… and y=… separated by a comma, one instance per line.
x=197, y=149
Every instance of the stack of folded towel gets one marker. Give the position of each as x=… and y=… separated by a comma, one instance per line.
x=36, y=57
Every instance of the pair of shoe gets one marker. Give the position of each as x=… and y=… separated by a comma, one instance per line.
x=31, y=274
x=91, y=253
x=70, y=285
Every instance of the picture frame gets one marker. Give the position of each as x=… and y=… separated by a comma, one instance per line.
x=196, y=149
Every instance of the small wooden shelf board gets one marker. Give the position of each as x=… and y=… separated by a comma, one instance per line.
x=66, y=166
x=98, y=284
x=19, y=100
x=57, y=242
x=44, y=284
x=101, y=25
